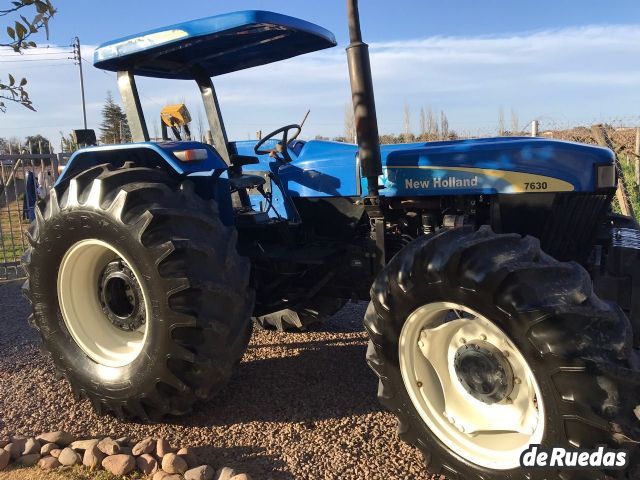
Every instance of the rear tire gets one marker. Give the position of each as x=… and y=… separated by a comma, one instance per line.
x=187, y=286
x=577, y=347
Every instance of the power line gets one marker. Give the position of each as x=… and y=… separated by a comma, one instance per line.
x=45, y=65
x=35, y=54
x=36, y=60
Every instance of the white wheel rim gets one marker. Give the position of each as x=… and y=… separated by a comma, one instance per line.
x=79, y=301
x=492, y=436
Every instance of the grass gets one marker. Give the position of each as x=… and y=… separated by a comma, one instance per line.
x=629, y=173
x=63, y=473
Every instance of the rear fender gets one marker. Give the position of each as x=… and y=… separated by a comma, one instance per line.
x=148, y=154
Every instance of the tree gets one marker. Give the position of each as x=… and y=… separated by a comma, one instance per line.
x=407, y=119
x=423, y=122
x=444, y=125
x=349, y=124
x=501, y=130
x=38, y=143
x=515, y=127
x=69, y=145
x=433, y=130
x=19, y=32
x=114, y=127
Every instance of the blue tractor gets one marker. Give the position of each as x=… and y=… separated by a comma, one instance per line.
x=504, y=293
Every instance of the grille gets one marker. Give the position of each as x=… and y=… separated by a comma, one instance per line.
x=571, y=227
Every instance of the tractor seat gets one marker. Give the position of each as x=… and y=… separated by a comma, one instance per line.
x=246, y=182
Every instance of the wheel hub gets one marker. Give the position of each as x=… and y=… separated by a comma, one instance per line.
x=121, y=296
x=484, y=372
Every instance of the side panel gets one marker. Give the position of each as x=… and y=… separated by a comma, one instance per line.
x=443, y=180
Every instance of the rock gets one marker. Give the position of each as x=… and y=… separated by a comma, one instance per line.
x=31, y=446
x=28, y=460
x=203, y=472
x=161, y=475
x=126, y=451
x=242, y=476
x=69, y=457
x=15, y=450
x=108, y=446
x=189, y=456
x=48, y=463
x=5, y=457
x=119, y=464
x=4, y=441
x=147, y=464
x=172, y=463
x=84, y=444
x=145, y=446
x=46, y=448
x=55, y=453
x=637, y=412
x=93, y=457
x=163, y=447
x=225, y=473
x=123, y=441
x=61, y=438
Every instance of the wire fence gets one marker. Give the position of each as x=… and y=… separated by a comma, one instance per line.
x=24, y=179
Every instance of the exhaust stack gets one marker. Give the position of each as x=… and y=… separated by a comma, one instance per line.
x=364, y=104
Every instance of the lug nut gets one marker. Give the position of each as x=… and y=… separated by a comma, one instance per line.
x=463, y=340
x=419, y=384
x=483, y=337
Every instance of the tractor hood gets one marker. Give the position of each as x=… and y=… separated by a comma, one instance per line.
x=467, y=167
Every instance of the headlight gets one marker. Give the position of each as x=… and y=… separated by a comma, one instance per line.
x=606, y=176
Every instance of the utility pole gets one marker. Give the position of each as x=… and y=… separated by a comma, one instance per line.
x=77, y=56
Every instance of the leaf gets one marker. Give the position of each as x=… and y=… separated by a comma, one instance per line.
x=11, y=32
x=41, y=6
x=12, y=81
x=23, y=82
x=32, y=27
x=21, y=30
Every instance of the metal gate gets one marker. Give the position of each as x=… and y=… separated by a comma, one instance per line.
x=24, y=179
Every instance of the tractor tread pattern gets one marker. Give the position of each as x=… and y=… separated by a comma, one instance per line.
x=582, y=344
x=210, y=319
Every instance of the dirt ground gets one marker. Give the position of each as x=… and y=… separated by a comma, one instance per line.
x=302, y=406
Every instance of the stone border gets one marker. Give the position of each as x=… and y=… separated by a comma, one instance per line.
x=152, y=457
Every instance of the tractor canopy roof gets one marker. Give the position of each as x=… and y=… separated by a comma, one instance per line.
x=218, y=45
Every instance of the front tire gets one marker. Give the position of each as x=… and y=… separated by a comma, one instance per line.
x=534, y=323
x=137, y=291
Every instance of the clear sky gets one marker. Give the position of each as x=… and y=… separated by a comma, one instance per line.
x=562, y=61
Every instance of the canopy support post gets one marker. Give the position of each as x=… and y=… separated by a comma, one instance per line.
x=214, y=115
x=132, y=106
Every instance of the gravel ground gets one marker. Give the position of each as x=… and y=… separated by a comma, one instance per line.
x=300, y=406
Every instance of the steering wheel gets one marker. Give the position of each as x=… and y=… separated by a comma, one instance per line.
x=281, y=148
